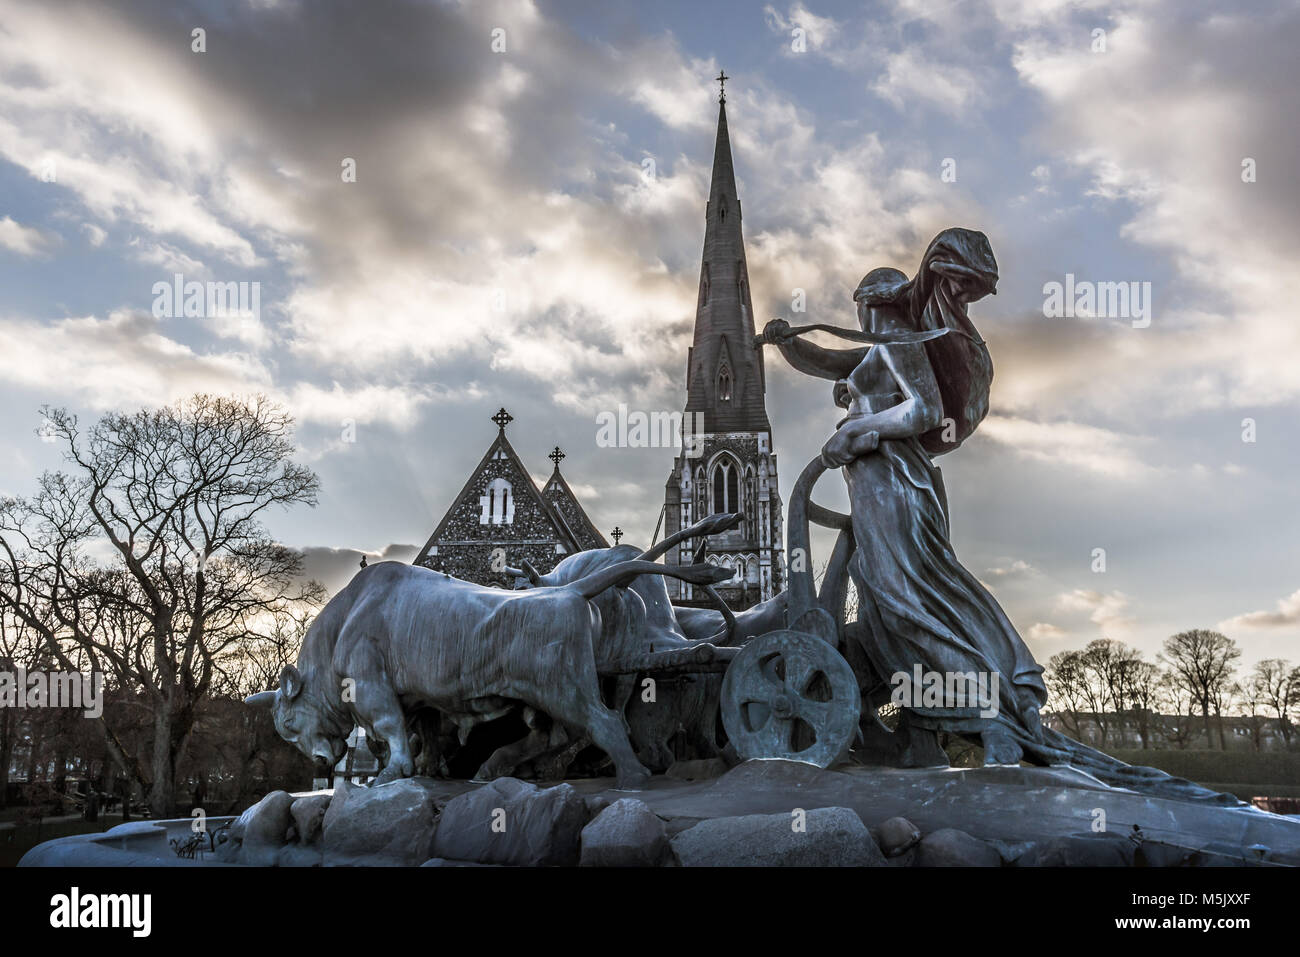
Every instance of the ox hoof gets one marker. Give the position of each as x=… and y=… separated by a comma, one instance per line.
x=394, y=772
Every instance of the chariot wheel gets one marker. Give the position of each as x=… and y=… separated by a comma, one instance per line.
x=790, y=695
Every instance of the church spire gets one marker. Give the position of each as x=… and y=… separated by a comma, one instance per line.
x=725, y=373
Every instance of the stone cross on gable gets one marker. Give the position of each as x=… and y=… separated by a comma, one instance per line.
x=503, y=418
x=555, y=456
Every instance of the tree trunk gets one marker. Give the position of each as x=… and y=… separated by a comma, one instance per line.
x=162, y=790
x=6, y=752
x=171, y=735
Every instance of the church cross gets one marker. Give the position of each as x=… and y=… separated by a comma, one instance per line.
x=722, y=79
x=503, y=418
x=616, y=534
x=555, y=456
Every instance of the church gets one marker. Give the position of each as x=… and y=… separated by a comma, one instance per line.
x=731, y=464
x=500, y=518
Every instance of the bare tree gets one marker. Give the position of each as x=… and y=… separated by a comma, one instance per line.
x=1066, y=677
x=1203, y=663
x=175, y=498
x=1174, y=702
x=1141, y=684
x=1277, y=686
x=1251, y=700
x=19, y=649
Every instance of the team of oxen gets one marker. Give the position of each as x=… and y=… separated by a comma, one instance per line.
x=419, y=659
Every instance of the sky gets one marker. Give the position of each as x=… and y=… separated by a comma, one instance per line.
x=524, y=229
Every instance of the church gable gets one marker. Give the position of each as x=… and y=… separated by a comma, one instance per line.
x=571, y=514
x=500, y=519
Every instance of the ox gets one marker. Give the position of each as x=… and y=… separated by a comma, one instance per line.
x=639, y=621
x=400, y=638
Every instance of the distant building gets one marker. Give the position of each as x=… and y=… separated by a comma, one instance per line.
x=1165, y=731
x=732, y=467
x=500, y=518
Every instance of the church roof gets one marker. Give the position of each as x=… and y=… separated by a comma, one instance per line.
x=571, y=513
x=556, y=513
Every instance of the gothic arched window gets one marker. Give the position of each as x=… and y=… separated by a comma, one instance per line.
x=724, y=384
x=726, y=487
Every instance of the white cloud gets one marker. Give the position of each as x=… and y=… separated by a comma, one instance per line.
x=124, y=360
x=94, y=235
x=1106, y=610
x=24, y=240
x=1286, y=615
x=1072, y=445
x=1017, y=569
x=1045, y=631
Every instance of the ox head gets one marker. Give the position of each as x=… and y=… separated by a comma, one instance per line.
x=303, y=719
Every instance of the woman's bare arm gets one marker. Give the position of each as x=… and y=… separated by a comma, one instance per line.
x=824, y=363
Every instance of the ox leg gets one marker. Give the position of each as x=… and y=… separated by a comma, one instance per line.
x=505, y=759
x=606, y=728
x=377, y=706
x=375, y=703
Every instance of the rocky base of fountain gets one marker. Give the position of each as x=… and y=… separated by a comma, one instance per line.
x=761, y=813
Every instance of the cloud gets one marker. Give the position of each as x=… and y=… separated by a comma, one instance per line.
x=124, y=360
x=909, y=78
x=1072, y=445
x=1017, y=569
x=1044, y=631
x=1286, y=615
x=334, y=567
x=24, y=240
x=820, y=35
x=1170, y=159
x=1103, y=609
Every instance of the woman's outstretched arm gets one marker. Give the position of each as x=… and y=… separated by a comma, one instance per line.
x=811, y=359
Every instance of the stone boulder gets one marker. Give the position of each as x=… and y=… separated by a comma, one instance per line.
x=389, y=825
x=508, y=821
x=308, y=815
x=830, y=837
x=625, y=834
x=950, y=847
x=896, y=836
x=258, y=834
x=334, y=810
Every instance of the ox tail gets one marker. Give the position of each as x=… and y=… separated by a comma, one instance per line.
x=713, y=525
x=623, y=573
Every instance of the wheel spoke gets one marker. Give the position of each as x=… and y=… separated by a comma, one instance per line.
x=816, y=713
x=799, y=670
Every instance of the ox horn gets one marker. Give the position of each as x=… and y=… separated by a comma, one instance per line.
x=624, y=572
x=531, y=572
x=263, y=699
x=712, y=525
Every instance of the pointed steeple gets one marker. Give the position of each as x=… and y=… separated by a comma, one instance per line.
x=724, y=372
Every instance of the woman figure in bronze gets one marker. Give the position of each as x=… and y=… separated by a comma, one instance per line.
x=907, y=401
